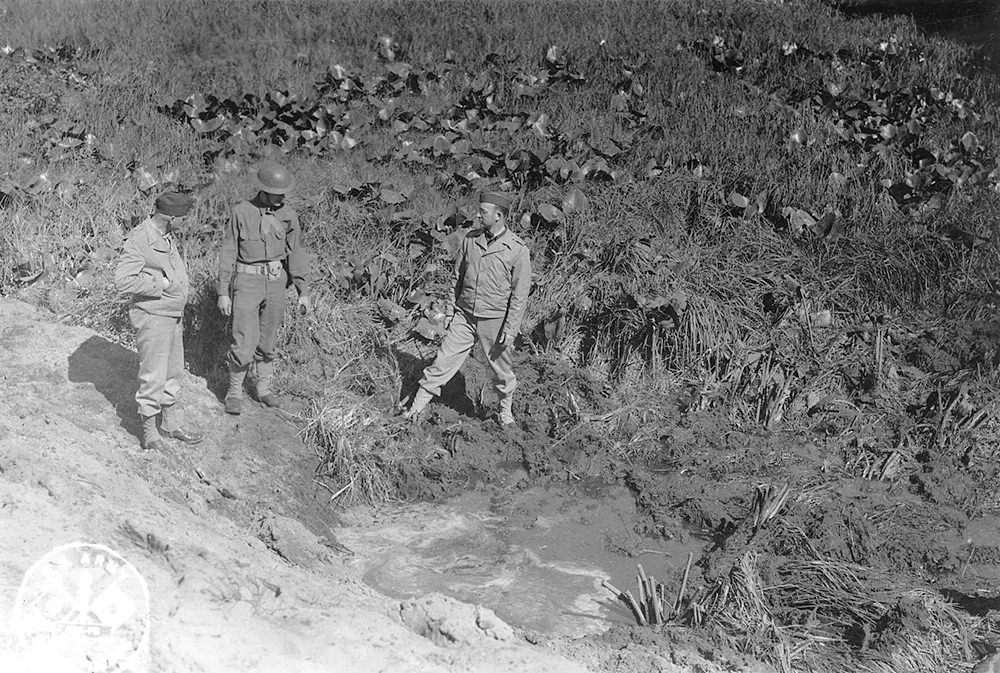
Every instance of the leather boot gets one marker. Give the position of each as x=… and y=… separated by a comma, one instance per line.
x=265, y=374
x=506, y=415
x=420, y=401
x=170, y=426
x=234, y=396
x=151, y=438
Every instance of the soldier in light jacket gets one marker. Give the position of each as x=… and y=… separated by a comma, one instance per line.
x=492, y=280
x=152, y=271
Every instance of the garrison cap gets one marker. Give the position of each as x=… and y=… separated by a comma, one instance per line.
x=497, y=198
x=174, y=204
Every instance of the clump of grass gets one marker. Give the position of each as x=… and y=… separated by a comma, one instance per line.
x=340, y=344
x=943, y=638
x=818, y=602
x=340, y=362
x=361, y=458
x=738, y=605
x=774, y=596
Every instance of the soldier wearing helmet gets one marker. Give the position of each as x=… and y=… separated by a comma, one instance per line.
x=261, y=255
x=492, y=279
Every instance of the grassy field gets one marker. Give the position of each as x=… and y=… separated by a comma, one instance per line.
x=747, y=171
x=755, y=179
x=756, y=210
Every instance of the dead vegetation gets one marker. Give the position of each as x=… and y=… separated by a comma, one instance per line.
x=773, y=594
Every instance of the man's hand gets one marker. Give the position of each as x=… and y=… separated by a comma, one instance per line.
x=305, y=305
x=225, y=305
x=499, y=347
x=166, y=282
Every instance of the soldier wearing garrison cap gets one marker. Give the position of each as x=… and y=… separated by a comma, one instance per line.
x=261, y=254
x=492, y=279
x=152, y=271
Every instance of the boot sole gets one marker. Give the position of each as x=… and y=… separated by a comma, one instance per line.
x=188, y=440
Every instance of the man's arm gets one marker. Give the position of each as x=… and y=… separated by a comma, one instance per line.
x=298, y=256
x=132, y=276
x=518, y=302
x=227, y=255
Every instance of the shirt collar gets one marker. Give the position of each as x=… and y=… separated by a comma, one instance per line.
x=491, y=239
x=266, y=210
x=160, y=241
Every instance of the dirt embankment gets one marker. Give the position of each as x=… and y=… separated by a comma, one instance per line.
x=228, y=534
x=232, y=535
x=245, y=573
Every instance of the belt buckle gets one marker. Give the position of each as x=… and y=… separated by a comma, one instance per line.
x=272, y=269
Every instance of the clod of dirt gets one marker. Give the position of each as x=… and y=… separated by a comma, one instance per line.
x=632, y=648
x=290, y=540
x=445, y=621
x=196, y=503
x=55, y=485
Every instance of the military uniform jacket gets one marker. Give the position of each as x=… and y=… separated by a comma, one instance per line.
x=147, y=258
x=257, y=235
x=493, y=277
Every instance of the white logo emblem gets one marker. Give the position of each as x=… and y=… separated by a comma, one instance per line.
x=84, y=608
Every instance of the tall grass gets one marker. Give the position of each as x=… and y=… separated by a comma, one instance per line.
x=641, y=239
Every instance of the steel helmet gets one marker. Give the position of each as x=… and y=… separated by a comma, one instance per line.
x=274, y=178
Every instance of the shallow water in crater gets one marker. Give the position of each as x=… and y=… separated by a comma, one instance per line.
x=536, y=556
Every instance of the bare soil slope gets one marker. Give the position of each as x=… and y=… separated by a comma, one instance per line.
x=236, y=582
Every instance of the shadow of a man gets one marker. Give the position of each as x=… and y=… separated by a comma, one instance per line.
x=112, y=370
x=453, y=393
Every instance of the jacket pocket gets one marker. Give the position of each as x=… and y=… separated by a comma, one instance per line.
x=177, y=292
x=250, y=248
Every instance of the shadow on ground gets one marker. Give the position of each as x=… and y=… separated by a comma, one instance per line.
x=112, y=370
x=980, y=606
x=207, y=340
x=454, y=394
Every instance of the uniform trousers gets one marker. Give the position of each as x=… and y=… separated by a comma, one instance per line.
x=258, y=312
x=465, y=330
x=160, y=342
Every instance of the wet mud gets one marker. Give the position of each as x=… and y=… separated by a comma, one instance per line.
x=848, y=568
x=536, y=556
